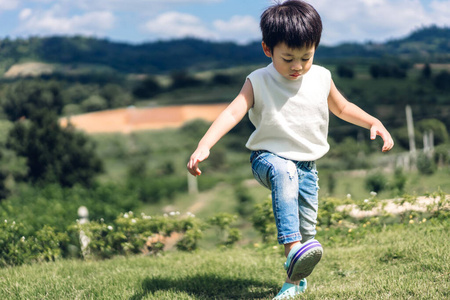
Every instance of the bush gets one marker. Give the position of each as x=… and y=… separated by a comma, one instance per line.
x=399, y=181
x=345, y=71
x=425, y=164
x=19, y=248
x=228, y=235
x=263, y=221
x=327, y=214
x=376, y=182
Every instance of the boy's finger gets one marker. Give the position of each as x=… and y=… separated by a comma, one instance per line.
x=373, y=133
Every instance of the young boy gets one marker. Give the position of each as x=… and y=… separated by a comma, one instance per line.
x=288, y=102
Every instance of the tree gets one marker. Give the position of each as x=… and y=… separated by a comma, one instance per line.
x=53, y=154
x=345, y=71
x=148, y=88
x=26, y=98
x=441, y=81
x=426, y=71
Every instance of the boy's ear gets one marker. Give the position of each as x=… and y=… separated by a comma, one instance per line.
x=266, y=49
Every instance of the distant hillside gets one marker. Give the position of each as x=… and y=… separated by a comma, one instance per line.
x=430, y=44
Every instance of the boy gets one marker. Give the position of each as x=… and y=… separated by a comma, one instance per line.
x=288, y=102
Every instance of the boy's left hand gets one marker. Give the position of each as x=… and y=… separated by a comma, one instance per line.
x=379, y=129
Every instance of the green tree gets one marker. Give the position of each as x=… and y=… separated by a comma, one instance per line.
x=148, y=88
x=25, y=98
x=345, y=71
x=94, y=103
x=426, y=71
x=54, y=154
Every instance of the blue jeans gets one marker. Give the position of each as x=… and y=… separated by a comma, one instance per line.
x=294, y=186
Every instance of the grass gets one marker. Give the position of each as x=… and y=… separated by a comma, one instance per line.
x=394, y=262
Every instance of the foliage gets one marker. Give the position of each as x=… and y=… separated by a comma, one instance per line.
x=438, y=128
x=17, y=248
x=229, y=236
x=399, y=181
x=262, y=220
x=441, y=81
x=245, y=200
x=345, y=71
x=328, y=215
x=425, y=164
x=27, y=99
x=94, y=103
x=148, y=88
x=376, y=182
x=57, y=207
x=387, y=71
x=54, y=154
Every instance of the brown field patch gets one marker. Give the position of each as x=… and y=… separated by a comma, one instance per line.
x=28, y=69
x=126, y=120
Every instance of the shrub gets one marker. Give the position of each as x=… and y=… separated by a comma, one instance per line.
x=223, y=221
x=345, y=71
x=327, y=214
x=425, y=164
x=399, y=181
x=376, y=182
x=263, y=221
x=245, y=200
x=19, y=248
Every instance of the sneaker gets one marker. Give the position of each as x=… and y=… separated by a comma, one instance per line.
x=290, y=290
x=302, y=259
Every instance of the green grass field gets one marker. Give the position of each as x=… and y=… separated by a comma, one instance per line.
x=393, y=262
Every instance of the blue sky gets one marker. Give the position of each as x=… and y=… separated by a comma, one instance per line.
x=139, y=21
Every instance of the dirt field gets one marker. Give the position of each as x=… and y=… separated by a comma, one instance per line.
x=126, y=120
x=28, y=69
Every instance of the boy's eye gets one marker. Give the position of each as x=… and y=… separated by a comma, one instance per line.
x=287, y=60
x=306, y=59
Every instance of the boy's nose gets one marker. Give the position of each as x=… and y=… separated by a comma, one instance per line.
x=297, y=67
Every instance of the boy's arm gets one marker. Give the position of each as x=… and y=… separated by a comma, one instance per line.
x=349, y=112
x=224, y=123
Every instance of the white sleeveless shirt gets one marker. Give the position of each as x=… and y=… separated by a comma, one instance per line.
x=290, y=116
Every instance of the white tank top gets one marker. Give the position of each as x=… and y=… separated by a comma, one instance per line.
x=291, y=117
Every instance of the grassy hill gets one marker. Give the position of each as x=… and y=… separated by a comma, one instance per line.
x=409, y=261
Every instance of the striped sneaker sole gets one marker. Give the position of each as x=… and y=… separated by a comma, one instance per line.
x=305, y=260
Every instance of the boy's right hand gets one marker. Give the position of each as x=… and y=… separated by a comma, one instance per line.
x=199, y=155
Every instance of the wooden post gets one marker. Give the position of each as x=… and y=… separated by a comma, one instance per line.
x=410, y=124
x=83, y=215
x=192, y=184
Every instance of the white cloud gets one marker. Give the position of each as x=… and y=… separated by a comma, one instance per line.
x=8, y=4
x=441, y=11
x=54, y=21
x=25, y=13
x=177, y=25
x=362, y=20
x=239, y=28
x=141, y=6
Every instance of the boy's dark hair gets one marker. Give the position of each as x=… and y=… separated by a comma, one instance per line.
x=293, y=22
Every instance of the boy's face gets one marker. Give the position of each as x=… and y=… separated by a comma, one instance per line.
x=290, y=63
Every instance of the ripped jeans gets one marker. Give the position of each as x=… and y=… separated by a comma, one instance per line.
x=294, y=186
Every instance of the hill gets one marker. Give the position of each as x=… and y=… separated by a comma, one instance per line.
x=428, y=44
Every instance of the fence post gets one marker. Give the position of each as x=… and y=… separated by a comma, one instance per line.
x=83, y=217
x=412, y=142
x=192, y=184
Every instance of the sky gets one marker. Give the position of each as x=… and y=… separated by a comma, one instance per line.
x=138, y=21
